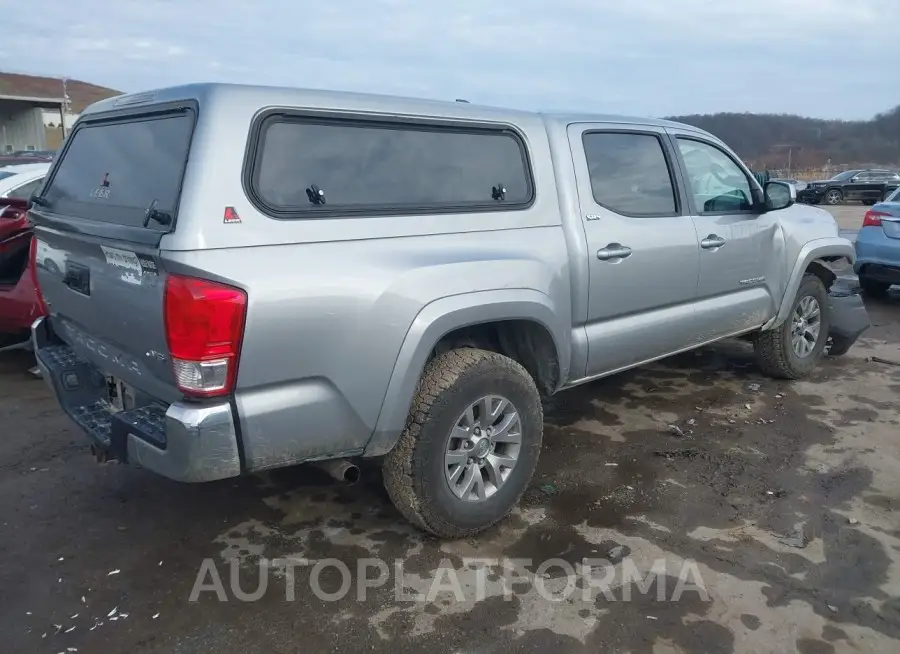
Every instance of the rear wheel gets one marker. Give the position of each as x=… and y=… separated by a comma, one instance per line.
x=470, y=445
x=872, y=287
x=833, y=196
x=794, y=349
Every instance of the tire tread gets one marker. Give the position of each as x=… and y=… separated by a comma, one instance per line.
x=771, y=346
x=400, y=475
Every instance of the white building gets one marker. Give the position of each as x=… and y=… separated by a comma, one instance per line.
x=36, y=111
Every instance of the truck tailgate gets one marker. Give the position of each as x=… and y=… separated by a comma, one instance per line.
x=98, y=222
x=106, y=301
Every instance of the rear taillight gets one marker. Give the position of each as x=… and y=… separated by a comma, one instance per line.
x=204, y=327
x=33, y=271
x=873, y=218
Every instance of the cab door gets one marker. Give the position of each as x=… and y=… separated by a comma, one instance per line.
x=741, y=247
x=642, y=246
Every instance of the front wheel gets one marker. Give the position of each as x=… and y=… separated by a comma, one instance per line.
x=470, y=445
x=833, y=197
x=793, y=349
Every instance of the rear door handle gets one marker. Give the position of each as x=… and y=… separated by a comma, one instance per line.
x=614, y=251
x=712, y=242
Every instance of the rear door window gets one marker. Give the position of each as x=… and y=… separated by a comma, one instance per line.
x=314, y=166
x=115, y=171
x=629, y=173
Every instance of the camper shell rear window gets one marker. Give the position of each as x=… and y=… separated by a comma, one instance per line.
x=126, y=169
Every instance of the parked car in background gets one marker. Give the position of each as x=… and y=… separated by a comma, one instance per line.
x=35, y=154
x=329, y=308
x=796, y=183
x=878, y=246
x=866, y=186
x=26, y=157
x=21, y=180
x=19, y=303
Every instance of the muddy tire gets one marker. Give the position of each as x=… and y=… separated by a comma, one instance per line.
x=794, y=349
x=873, y=288
x=466, y=396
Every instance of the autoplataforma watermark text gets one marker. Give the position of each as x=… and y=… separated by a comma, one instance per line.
x=555, y=579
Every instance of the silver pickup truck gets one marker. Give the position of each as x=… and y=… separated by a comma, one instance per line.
x=240, y=278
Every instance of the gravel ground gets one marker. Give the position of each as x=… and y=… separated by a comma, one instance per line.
x=775, y=509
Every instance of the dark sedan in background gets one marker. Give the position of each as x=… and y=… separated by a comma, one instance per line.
x=866, y=186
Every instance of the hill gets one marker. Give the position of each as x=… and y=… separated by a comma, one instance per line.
x=764, y=140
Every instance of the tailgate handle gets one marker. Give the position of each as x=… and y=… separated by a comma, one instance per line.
x=78, y=278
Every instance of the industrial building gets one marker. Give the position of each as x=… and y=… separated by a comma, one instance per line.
x=35, y=112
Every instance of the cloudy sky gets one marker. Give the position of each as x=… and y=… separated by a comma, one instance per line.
x=828, y=58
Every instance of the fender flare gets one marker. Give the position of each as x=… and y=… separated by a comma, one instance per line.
x=831, y=246
x=439, y=318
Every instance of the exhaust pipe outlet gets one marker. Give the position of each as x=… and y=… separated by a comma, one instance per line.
x=340, y=469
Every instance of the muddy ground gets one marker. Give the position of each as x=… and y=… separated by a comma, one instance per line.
x=776, y=510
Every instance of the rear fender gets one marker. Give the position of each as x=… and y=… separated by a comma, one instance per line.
x=438, y=319
x=832, y=246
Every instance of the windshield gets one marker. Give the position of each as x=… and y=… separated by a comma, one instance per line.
x=844, y=176
x=118, y=172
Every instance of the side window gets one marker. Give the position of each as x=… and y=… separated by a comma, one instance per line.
x=24, y=192
x=321, y=166
x=865, y=177
x=629, y=173
x=717, y=183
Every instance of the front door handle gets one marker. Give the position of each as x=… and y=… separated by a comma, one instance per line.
x=712, y=242
x=614, y=251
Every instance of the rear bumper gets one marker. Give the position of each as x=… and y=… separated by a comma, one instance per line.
x=187, y=442
x=877, y=255
x=849, y=318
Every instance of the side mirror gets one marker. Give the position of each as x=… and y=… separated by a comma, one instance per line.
x=779, y=195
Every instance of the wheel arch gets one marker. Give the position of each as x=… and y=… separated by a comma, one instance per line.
x=464, y=320
x=813, y=258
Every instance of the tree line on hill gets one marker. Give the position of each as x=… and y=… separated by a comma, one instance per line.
x=771, y=141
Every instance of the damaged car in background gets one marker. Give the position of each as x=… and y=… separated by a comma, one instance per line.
x=19, y=305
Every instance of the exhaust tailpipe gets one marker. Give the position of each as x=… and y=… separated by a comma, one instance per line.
x=340, y=469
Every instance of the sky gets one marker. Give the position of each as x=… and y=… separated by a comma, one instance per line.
x=823, y=58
